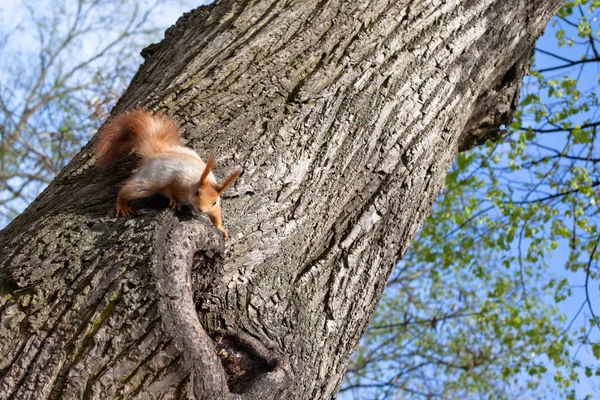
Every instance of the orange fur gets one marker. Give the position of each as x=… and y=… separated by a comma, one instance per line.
x=156, y=140
x=215, y=217
x=178, y=154
x=209, y=192
x=139, y=130
x=207, y=169
x=130, y=191
x=230, y=180
x=176, y=191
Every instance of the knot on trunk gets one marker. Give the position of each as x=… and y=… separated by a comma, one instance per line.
x=496, y=106
x=237, y=366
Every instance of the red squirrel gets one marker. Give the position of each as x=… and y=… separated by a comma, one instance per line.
x=166, y=167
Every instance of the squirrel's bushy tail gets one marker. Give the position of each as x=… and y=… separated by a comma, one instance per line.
x=139, y=130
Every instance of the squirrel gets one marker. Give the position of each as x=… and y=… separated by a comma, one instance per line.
x=167, y=168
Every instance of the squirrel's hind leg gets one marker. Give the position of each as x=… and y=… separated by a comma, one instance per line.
x=132, y=189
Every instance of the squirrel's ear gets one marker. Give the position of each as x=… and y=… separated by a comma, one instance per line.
x=206, y=171
x=230, y=180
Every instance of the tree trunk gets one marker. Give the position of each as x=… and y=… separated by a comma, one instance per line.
x=346, y=116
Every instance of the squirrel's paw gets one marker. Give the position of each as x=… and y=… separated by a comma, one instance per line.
x=174, y=205
x=225, y=234
x=123, y=210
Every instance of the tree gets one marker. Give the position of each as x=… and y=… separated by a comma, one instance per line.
x=346, y=118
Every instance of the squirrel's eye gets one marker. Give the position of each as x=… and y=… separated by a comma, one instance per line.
x=198, y=192
x=215, y=203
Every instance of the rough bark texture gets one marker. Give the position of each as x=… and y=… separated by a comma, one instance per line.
x=345, y=115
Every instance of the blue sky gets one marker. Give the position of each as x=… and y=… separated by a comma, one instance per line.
x=588, y=75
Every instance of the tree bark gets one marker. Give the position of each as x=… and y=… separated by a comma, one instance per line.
x=346, y=116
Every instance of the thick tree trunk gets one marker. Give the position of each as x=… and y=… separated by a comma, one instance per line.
x=345, y=115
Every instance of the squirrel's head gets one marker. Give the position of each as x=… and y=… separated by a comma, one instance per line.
x=207, y=195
